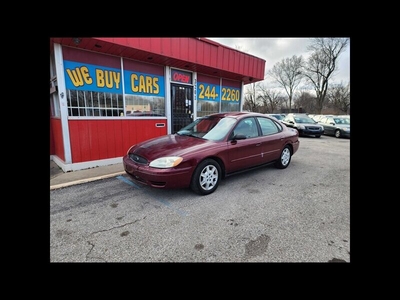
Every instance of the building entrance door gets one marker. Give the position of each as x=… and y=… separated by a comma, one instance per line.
x=182, y=106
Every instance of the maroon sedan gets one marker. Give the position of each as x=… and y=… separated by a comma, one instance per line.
x=209, y=149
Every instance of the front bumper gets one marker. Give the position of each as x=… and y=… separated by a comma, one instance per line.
x=310, y=132
x=158, y=178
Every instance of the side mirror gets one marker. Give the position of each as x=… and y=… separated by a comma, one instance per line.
x=239, y=137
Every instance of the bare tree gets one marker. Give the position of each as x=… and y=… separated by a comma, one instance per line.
x=339, y=97
x=322, y=63
x=305, y=101
x=288, y=73
x=250, y=100
x=270, y=99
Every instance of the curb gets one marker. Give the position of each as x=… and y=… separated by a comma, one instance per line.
x=61, y=185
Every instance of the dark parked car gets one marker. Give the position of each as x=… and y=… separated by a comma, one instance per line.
x=209, y=149
x=336, y=126
x=305, y=125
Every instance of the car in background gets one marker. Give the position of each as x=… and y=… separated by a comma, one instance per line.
x=338, y=126
x=305, y=125
x=209, y=149
x=279, y=117
x=317, y=118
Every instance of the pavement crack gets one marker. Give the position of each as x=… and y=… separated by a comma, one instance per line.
x=88, y=254
x=92, y=244
x=119, y=226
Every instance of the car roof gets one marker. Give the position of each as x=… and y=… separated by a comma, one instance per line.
x=298, y=114
x=236, y=114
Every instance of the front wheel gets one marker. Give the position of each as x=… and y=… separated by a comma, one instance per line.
x=337, y=133
x=284, y=159
x=206, y=177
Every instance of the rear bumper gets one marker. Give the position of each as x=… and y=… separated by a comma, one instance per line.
x=295, y=146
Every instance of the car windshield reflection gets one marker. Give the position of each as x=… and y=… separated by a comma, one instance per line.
x=342, y=121
x=304, y=120
x=209, y=128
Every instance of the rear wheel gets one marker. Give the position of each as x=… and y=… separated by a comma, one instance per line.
x=284, y=159
x=206, y=177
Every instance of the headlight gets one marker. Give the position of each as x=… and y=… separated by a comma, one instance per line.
x=346, y=129
x=322, y=127
x=301, y=127
x=166, y=162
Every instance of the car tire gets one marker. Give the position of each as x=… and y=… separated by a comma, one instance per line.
x=284, y=159
x=206, y=177
x=337, y=134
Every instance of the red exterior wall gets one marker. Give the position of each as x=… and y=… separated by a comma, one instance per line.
x=231, y=83
x=91, y=58
x=56, y=138
x=51, y=143
x=52, y=149
x=103, y=139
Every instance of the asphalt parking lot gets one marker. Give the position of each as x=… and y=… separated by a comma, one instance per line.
x=299, y=214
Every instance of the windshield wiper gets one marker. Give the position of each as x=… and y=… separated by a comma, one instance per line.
x=187, y=133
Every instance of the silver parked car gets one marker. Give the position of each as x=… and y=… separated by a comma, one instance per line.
x=338, y=126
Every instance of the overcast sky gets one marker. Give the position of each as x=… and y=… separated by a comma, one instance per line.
x=273, y=50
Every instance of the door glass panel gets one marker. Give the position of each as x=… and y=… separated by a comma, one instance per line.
x=182, y=106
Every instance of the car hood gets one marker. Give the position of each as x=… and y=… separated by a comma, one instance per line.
x=170, y=145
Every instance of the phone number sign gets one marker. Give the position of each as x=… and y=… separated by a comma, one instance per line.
x=213, y=92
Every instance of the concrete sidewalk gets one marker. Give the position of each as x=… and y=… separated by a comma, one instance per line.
x=60, y=179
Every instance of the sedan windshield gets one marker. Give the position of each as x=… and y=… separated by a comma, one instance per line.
x=210, y=128
x=276, y=116
x=304, y=120
x=342, y=121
